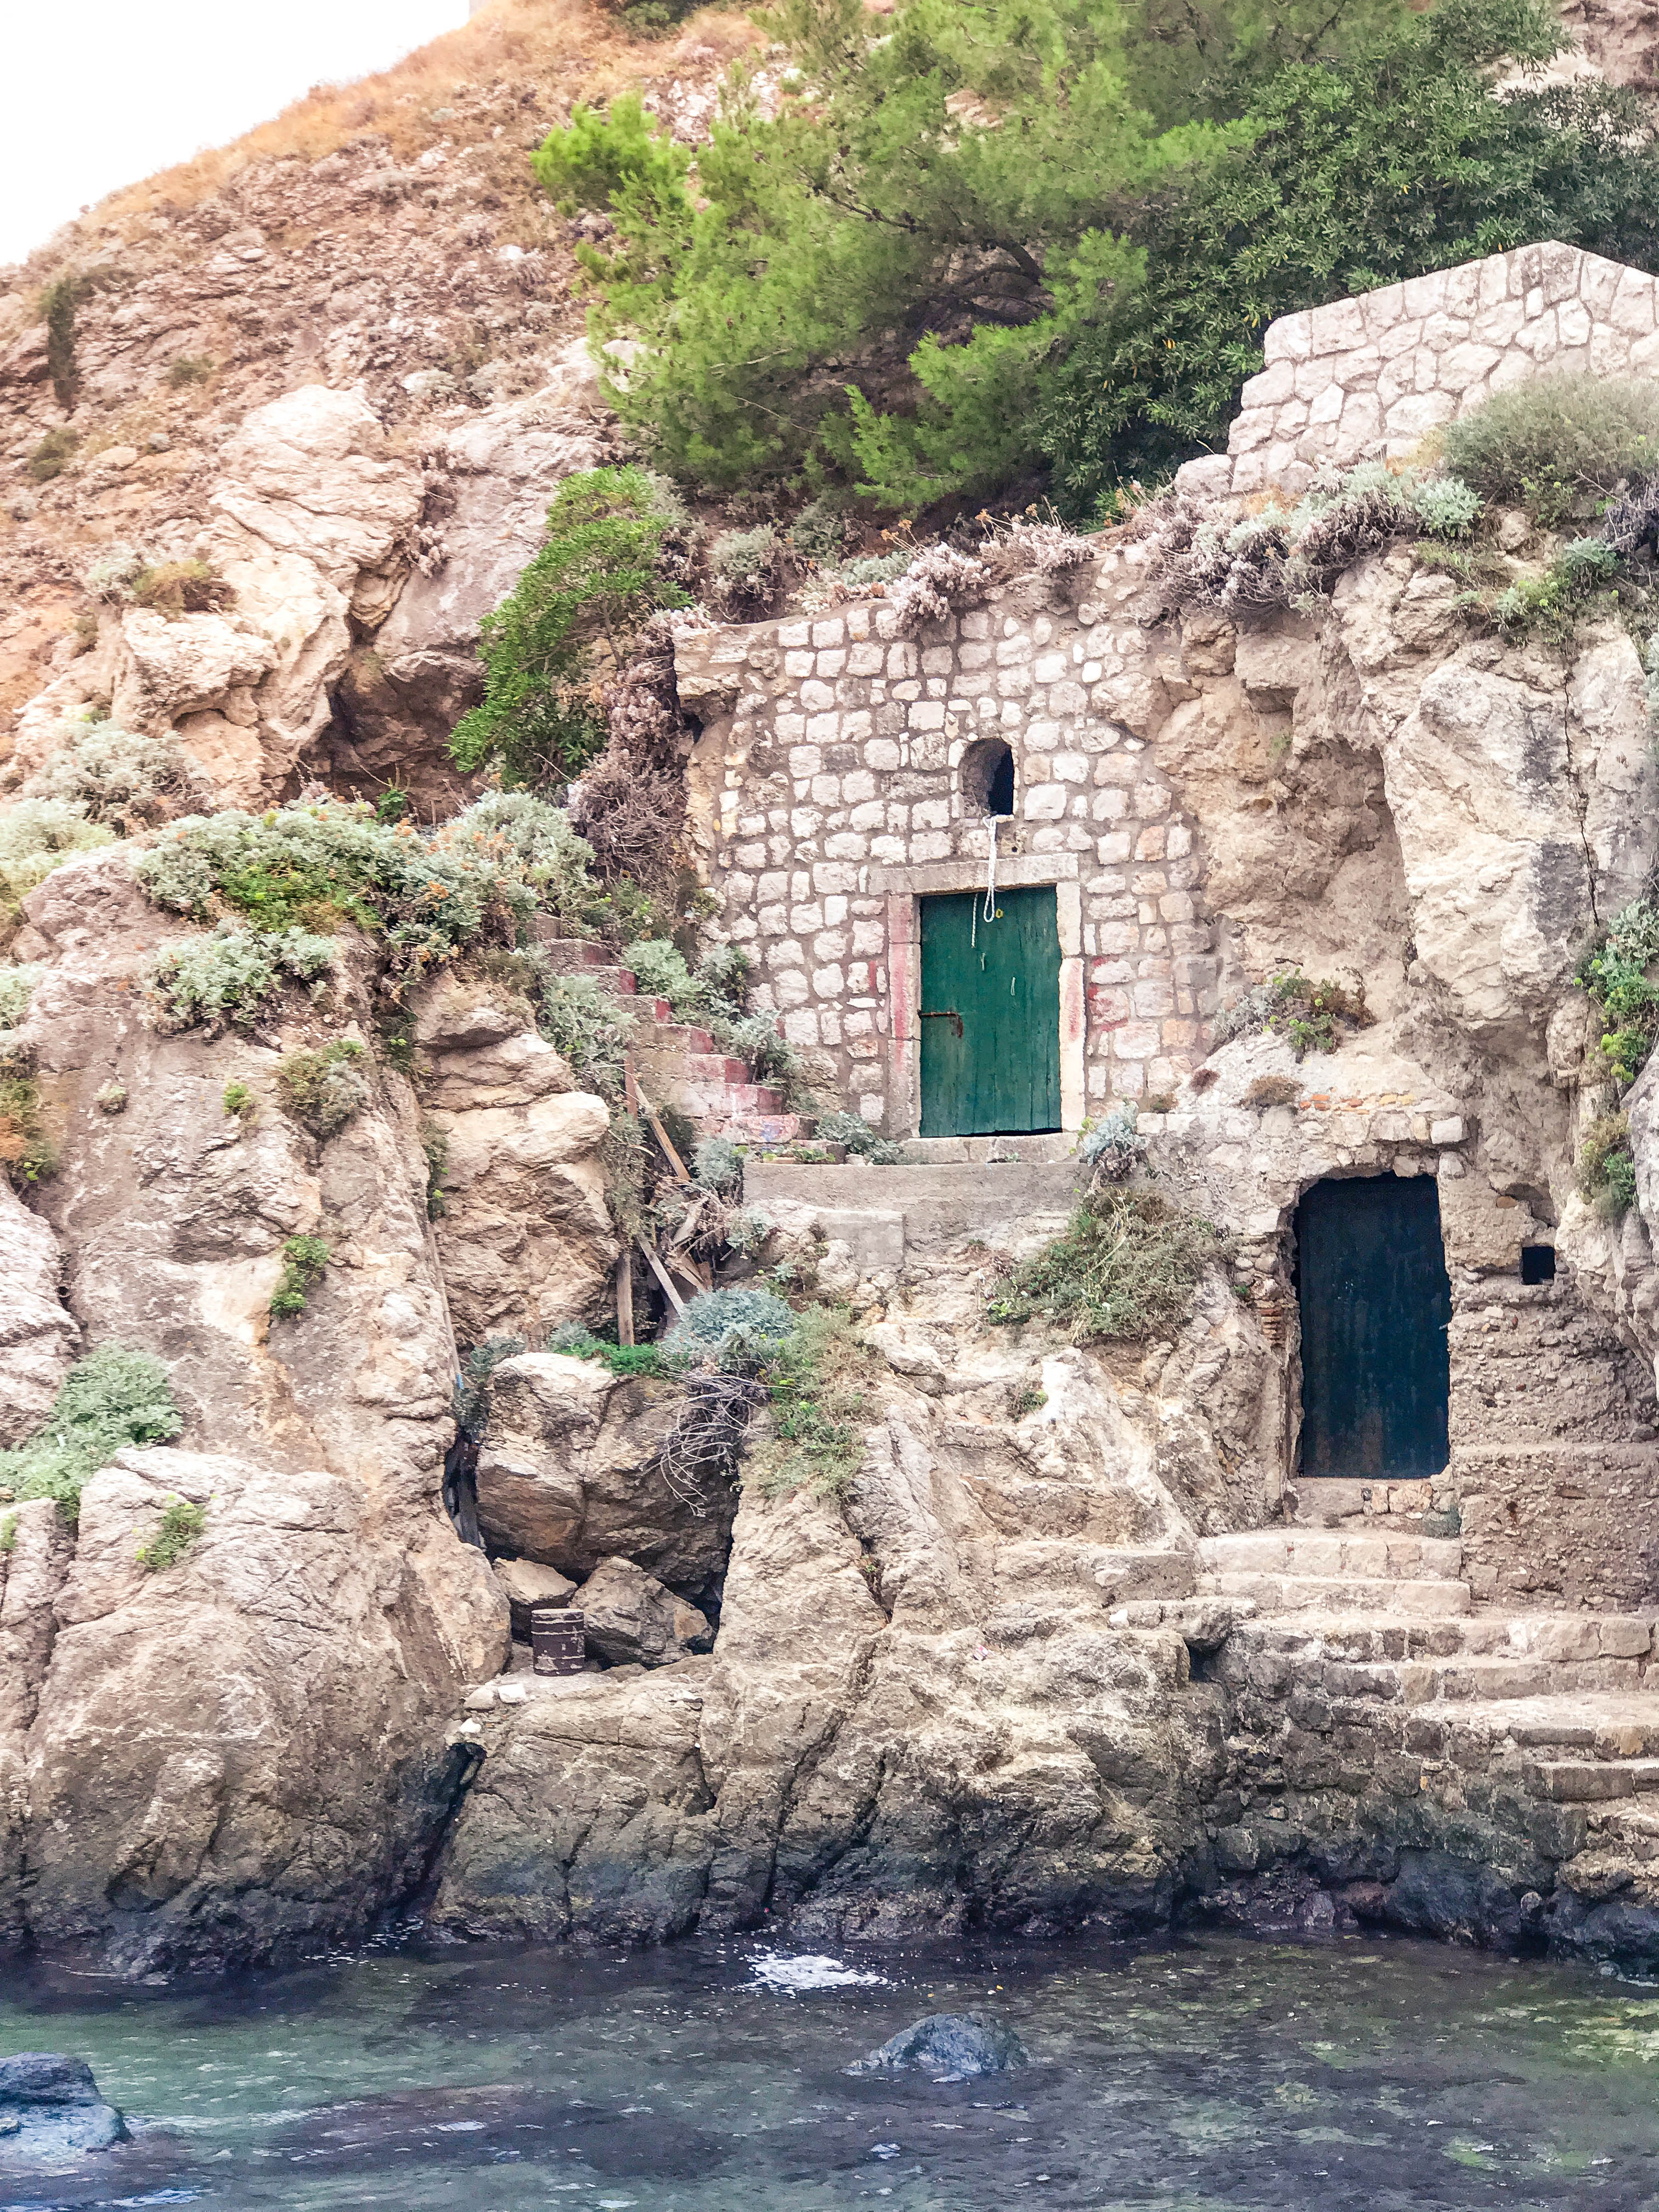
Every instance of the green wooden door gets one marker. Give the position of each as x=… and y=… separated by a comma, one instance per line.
x=990, y=1014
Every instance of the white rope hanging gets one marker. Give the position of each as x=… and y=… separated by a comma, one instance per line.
x=993, y=822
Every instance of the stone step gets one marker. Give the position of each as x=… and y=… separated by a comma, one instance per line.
x=1592, y=1781
x=1339, y=1594
x=1597, y=1726
x=714, y=1067
x=1372, y=1554
x=1384, y=1634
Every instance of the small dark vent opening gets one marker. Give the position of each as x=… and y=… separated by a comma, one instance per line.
x=1538, y=1263
x=988, y=777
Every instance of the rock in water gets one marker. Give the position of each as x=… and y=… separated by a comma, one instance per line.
x=954, y=2044
x=49, y=2107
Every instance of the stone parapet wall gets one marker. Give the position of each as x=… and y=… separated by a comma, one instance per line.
x=1375, y=375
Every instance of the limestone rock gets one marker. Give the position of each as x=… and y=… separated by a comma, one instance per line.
x=527, y=1585
x=51, y=2108
x=633, y=1619
x=570, y=1474
x=37, y=1336
x=954, y=2047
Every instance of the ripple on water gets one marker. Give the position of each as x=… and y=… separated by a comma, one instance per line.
x=1203, y=2074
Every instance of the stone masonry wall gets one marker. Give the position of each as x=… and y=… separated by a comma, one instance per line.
x=1373, y=375
x=833, y=787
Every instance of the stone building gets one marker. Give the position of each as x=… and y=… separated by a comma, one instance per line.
x=1181, y=804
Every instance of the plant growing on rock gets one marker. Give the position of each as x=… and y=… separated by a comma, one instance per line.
x=1309, y=1015
x=853, y=1132
x=940, y=581
x=1615, y=975
x=304, y=1258
x=17, y=983
x=573, y=613
x=110, y=1097
x=1111, y=1145
x=578, y=1342
x=36, y=837
x=323, y=1090
x=470, y=1397
x=1606, y=1167
x=735, y=1332
x=1557, y=445
x=27, y=1153
x=112, y=1398
x=820, y=1384
x=1126, y=1269
x=180, y=1525
x=238, y=1100
x=717, y=1164
x=231, y=975
x=123, y=779
x=747, y=571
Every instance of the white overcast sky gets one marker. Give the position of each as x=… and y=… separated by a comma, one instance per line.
x=100, y=93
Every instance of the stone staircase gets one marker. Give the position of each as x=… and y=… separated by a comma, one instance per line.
x=1366, y=1639
x=678, y=1065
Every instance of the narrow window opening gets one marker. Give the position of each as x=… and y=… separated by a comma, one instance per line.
x=1538, y=1263
x=988, y=777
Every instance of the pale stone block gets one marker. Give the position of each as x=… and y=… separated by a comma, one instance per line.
x=926, y=715
x=1559, y=267
x=1070, y=768
x=864, y=660
x=1288, y=339
x=1644, y=355
x=788, y=729
x=797, y=664
x=794, y=633
x=1633, y=307
x=816, y=696
x=835, y=877
x=1414, y=416
x=1272, y=388
x=805, y=917
x=1049, y=667
x=1044, y=802
x=858, y=787
x=800, y=1026
x=1248, y=433
x=830, y=632
x=1609, y=352
x=830, y=944
x=882, y=753
x=1465, y=365
x=1209, y=477
x=824, y=729
x=1515, y=368
x=1382, y=309
x=1402, y=338
x=805, y=760
x=1327, y=409
x=1292, y=418
x=1573, y=321
x=1338, y=328
x=931, y=845
x=847, y=845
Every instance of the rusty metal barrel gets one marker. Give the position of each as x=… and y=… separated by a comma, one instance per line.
x=558, y=1638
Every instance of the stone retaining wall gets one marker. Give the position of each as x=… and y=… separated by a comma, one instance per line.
x=1373, y=375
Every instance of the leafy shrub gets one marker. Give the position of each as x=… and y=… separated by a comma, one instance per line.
x=36, y=837
x=54, y=453
x=661, y=971
x=8, y=1534
x=1447, y=507
x=747, y=571
x=853, y=1132
x=1125, y=1267
x=1615, y=975
x=717, y=1164
x=1606, y=1167
x=323, y=1088
x=228, y=977
x=1290, y=1004
x=181, y=587
x=595, y=156
x=238, y=1100
x=180, y=1525
x=940, y=581
x=17, y=983
x=587, y=1026
x=118, y=777
x=470, y=1400
x=110, y=1097
x=1556, y=443
x=865, y=577
x=112, y=1398
x=735, y=1331
x=645, y=1360
x=27, y=1151
x=187, y=368
x=1111, y=1147
x=819, y=1382
x=818, y=533
x=304, y=1258
x=1552, y=605
x=579, y=604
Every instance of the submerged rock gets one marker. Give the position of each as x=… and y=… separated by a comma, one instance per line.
x=951, y=2043
x=50, y=2106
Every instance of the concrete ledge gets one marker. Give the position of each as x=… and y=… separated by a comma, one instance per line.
x=1015, y=872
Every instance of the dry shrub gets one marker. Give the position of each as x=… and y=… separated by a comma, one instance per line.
x=630, y=803
x=1273, y=1091
x=939, y=582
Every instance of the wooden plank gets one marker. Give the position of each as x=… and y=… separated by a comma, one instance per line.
x=662, y=1276
x=625, y=1296
x=662, y=1136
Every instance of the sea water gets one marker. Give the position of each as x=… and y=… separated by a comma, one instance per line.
x=1196, y=2074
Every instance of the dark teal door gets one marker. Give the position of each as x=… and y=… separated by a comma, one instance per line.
x=990, y=1014
x=1376, y=1307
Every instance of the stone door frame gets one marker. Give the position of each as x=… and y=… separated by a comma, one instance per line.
x=903, y=890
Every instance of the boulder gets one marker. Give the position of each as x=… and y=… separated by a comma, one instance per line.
x=37, y=1336
x=51, y=2108
x=950, y=2045
x=529, y=1585
x=634, y=1619
x=570, y=1474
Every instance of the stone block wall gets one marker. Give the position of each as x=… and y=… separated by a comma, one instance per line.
x=1373, y=375
x=833, y=787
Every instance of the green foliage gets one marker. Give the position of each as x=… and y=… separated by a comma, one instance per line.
x=17, y=983
x=1309, y=1015
x=626, y=1360
x=228, y=977
x=8, y=1534
x=747, y=571
x=187, y=368
x=54, y=453
x=180, y=1525
x=470, y=1400
x=1125, y=1269
x=596, y=155
x=1112, y=1146
x=1615, y=975
x=1052, y=235
x=26, y=1150
x=573, y=613
x=819, y=1381
x=734, y=1331
x=238, y=1100
x=304, y=1258
x=717, y=1164
x=1606, y=1168
x=1551, y=606
x=112, y=1398
x=127, y=781
x=323, y=1088
x=36, y=837
x=1556, y=444
x=854, y=1133
x=110, y=1097
x=58, y=305
x=434, y=1143
x=587, y=1026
